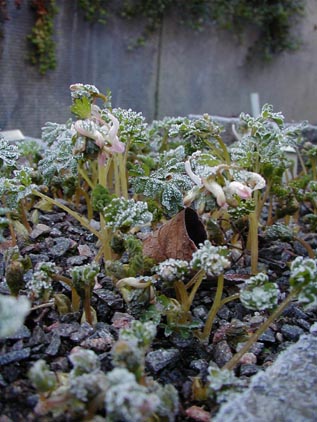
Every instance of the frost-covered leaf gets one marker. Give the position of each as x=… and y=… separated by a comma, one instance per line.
x=212, y=259
x=304, y=279
x=12, y=314
x=258, y=293
x=167, y=184
x=126, y=213
x=59, y=159
x=9, y=154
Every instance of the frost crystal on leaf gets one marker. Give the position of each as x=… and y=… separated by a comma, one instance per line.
x=213, y=259
x=126, y=400
x=172, y=269
x=258, y=293
x=304, y=277
x=126, y=213
x=12, y=314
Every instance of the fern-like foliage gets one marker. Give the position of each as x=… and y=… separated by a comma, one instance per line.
x=9, y=155
x=59, y=160
x=167, y=184
x=260, y=148
x=16, y=187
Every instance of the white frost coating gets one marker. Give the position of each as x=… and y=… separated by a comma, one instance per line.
x=12, y=314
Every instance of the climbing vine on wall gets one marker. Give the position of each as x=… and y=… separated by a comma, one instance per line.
x=272, y=19
x=42, y=51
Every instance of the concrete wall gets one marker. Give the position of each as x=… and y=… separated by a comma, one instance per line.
x=177, y=72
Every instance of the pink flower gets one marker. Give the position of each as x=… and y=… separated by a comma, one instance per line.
x=238, y=188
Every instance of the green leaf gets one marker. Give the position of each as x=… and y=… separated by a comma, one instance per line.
x=81, y=107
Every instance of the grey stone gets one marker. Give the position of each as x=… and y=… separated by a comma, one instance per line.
x=14, y=356
x=39, y=230
x=84, y=331
x=291, y=332
x=65, y=330
x=248, y=369
x=268, y=336
x=222, y=353
x=161, y=358
x=22, y=333
x=60, y=247
x=54, y=345
x=285, y=392
x=40, y=257
x=76, y=260
x=38, y=337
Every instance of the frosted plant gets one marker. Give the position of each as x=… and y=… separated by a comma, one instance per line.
x=12, y=314
x=304, y=278
x=172, y=269
x=212, y=259
x=221, y=383
x=126, y=400
x=9, y=154
x=83, y=361
x=167, y=184
x=258, y=293
x=222, y=181
x=129, y=351
x=83, y=281
x=42, y=378
x=40, y=285
x=79, y=90
x=124, y=214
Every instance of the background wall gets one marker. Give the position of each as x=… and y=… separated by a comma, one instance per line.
x=177, y=72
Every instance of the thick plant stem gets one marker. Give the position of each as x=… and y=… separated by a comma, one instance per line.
x=214, y=309
x=236, y=358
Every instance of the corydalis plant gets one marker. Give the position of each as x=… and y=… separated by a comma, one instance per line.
x=303, y=283
x=223, y=182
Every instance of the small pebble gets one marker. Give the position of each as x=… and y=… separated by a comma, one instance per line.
x=268, y=336
x=222, y=353
x=15, y=356
x=291, y=332
x=248, y=359
x=159, y=359
x=248, y=370
x=39, y=230
x=54, y=345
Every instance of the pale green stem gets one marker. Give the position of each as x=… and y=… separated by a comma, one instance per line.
x=75, y=295
x=123, y=176
x=253, y=242
x=214, y=309
x=105, y=239
x=84, y=175
x=69, y=211
x=198, y=280
x=229, y=299
x=117, y=180
x=254, y=338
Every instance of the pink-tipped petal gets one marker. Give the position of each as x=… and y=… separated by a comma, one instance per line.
x=214, y=188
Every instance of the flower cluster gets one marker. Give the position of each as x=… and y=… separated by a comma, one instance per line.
x=212, y=259
x=239, y=182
